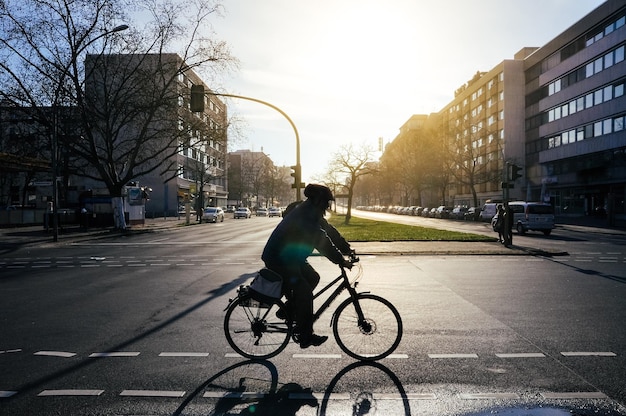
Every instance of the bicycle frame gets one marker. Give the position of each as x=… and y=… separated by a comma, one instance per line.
x=345, y=284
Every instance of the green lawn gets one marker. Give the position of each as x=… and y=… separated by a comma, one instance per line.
x=361, y=229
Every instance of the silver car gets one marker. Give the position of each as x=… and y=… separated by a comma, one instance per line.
x=213, y=214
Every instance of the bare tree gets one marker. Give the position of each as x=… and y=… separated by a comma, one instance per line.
x=469, y=155
x=351, y=163
x=124, y=94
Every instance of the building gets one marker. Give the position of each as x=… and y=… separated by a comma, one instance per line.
x=484, y=130
x=575, y=108
x=557, y=112
x=188, y=159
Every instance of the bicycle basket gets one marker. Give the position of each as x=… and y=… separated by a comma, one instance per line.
x=267, y=286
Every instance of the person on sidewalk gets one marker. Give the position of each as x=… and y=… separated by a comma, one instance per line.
x=288, y=248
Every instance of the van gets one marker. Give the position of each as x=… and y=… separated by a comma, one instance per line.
x=532, y=216
x=488, y=211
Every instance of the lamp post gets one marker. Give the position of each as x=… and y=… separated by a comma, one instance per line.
x=55, y=129
x=298, y=167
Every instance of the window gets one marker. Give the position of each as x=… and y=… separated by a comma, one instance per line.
x=597, y=129
x=607, y=127
x=619, y=90
x=619, y=54
x=597, y=97
x=618, y=124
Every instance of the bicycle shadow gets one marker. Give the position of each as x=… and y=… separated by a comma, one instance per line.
x=253, y=388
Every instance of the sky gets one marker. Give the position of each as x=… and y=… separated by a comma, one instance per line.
x=351, y=71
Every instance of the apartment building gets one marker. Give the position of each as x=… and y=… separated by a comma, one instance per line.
x=190, y=147
x=575, y=109
x=484, y=130
x=558, y=112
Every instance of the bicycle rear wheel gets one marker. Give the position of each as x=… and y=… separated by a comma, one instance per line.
x=375, y=336
x=253, y=330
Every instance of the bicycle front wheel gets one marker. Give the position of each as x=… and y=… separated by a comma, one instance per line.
x=253, y=330
x=371, y=337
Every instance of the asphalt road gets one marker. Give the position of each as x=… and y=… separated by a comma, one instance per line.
x=132, y=325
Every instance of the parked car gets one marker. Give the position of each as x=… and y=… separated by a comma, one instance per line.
x=213, y=214
x=261, y=212
x=458, y=213
x=443, y=212
x=242, y=212
x=274, y=212
x=472, y=214
x=530, y=216
x=425, y=212
x=488, y=211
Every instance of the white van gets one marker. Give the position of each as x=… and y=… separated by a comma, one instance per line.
x=488, y=211
x=533, y=216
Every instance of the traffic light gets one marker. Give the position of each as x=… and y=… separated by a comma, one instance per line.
x=196, y=102
x=296, y=175
x=515, y=172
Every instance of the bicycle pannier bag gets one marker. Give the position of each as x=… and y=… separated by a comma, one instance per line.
x=267, y=285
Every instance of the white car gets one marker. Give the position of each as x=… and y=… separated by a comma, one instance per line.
x=242, y=212
x=213, y=214
x=275, y=212
x=261, y=212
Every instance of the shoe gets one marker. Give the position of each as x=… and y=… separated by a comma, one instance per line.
x=313, y=340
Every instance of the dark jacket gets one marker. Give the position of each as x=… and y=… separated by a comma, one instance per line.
x=297, y=235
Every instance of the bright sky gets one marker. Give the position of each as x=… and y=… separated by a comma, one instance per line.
x=351, y=71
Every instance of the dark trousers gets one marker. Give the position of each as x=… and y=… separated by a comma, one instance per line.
x=299, y=281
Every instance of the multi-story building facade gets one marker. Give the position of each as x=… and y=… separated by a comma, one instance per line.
x=191, y=146
x=575, y=108
x=187, y=150
x=556, y=111
x=483, y=128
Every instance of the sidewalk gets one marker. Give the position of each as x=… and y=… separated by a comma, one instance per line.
x=13, y=238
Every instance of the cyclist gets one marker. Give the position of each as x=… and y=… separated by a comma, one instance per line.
x=287, y=250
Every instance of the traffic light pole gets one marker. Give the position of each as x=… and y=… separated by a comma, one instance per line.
x=298, y=180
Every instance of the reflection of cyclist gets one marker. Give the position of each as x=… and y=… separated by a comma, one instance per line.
x=286, y=251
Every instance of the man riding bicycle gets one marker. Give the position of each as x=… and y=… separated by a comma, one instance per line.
x=291, y=243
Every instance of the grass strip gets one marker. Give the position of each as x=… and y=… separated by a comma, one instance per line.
x=360, y=229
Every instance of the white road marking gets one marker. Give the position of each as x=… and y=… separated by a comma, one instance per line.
x=331, y=356
x=233, y=395
x=71, y=392
x=522, y=355
x=588, y=354
x=114, y=354
x=152, y=393
x=7, y=393
x=575, y=395
x=452, y=356
x=184, y=354
x=62, y=354
x=489, y=396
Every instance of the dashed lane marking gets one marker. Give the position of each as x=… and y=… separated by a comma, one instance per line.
x=184, y=354
x=114, y=354
x=588, y=354
x=576, y=395
x=489, y=396
x=153, y=393
x=325, y=356
x=5, y=394
x=445, y=356
x=62, y=354
x=71, y=392
x=522, y=355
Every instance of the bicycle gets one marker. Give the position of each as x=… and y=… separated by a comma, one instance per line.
x=365, y=326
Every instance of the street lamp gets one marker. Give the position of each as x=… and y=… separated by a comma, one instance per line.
x=55, y=133
x=197, y=105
